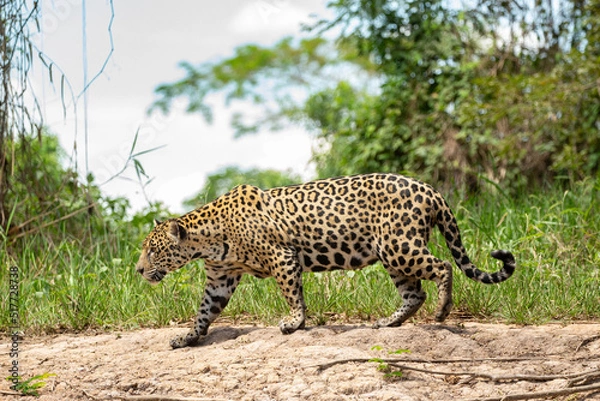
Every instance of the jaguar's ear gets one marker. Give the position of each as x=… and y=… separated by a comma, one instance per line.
x=156, y=222
x=176, y=231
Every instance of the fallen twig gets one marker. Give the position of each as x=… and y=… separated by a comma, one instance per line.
x=580, y=377
x=536, y=378
x=584, y=378
x=159, y=398
x=10, y=392
x=586, y=342
x=89, y=395
x=150, y=398
x=328, y=365
x=542, y=394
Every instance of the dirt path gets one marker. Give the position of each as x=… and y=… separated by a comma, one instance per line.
x=256, y=363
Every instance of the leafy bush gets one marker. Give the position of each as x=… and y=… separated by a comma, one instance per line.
x=428, y=88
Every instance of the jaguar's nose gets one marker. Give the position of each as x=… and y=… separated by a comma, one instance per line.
x=139, y=269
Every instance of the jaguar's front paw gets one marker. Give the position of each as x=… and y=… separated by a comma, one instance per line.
x=441, y=315
x=184, y=340
x=288, y=326
x=386, y=322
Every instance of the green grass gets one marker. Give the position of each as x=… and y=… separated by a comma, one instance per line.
x=555, y=237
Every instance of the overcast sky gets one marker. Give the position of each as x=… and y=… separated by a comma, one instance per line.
x=150, y=38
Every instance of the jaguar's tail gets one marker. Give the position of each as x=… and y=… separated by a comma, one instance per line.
x=446, y=222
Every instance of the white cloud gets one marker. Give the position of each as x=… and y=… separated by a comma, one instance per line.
x=176, y=190
x=268, y=17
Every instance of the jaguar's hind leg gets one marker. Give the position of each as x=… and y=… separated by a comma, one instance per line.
x=288, y=275
x=413, y=297
x=427, y=267
x=443, y=279
x=406, y=272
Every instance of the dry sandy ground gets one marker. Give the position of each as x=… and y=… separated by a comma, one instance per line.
x=257, y=363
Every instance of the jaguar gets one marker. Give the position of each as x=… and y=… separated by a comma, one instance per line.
x=338, y=223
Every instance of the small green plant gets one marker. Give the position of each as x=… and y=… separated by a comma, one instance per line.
x=396, y=352
x=399, y=351
x=384, y=366
x=31, y=385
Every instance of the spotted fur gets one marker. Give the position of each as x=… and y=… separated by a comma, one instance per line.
x=339, y=223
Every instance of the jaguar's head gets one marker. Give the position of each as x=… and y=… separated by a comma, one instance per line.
x=162, y=251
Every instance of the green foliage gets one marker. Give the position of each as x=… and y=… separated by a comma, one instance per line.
x=51, y=207
x=74, y=288
x=44, y=197
x=31, y=385
x=544, y=124
x=264, y=76
x=554, y=238
x=17, y=113
x=386, y=368
x=458, y=103
x=399, y=351
x=454, y=94
x=73, y=247
x=222, y=181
